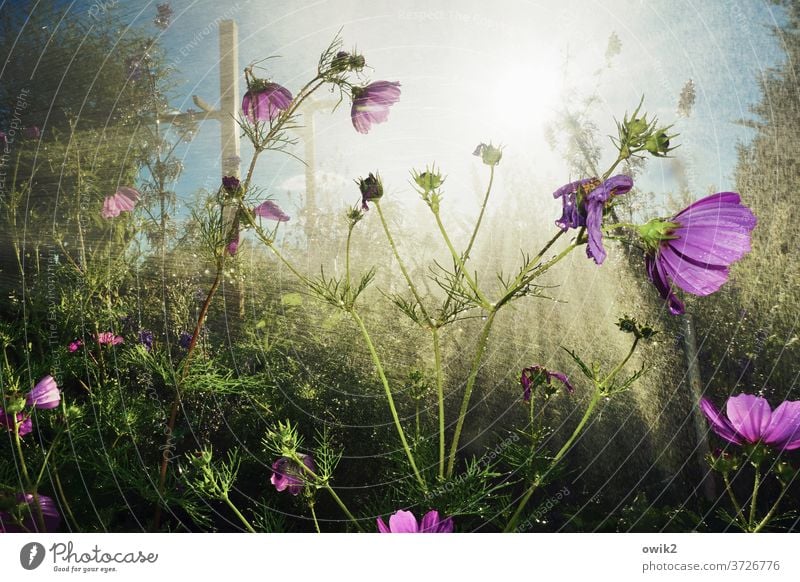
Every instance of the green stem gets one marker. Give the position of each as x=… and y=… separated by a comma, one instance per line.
x=377, y=361
x=314, y=515
x=559, y=455
x=486, y=304
x=325, y=485
x=754, y=498
x=740, y=519
x=403, y=269
x=480, y=216
x=46, y=459
x=343, y=507
x=29, y=486
x=473, y=374
x=618, y=368
x=347, y=256
x=238, y=513
x=772, y=510
x=437, y=354
x=64, y=502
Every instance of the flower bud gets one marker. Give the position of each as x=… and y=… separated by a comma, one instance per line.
x=429, y=180
x=490, y=154
x=371, y=189
x=658, y=143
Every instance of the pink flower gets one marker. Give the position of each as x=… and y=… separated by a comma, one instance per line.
x=123, y=200
x=268, y=209
x=288, y=475
x=694, y=249
x=8, y=420
x=371, y=104
x=109, y=338
x=405, y=522
x=750, y=419
x=28, y=513
x=75, y=346
x=265, y=101
x=45, y=394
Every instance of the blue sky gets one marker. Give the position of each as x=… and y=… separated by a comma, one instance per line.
x=475, y=71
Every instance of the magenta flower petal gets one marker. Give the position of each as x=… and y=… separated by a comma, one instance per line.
x=371, y=104
x=8, y=421
x=699, y=245
x=287, y=474
x=655, y=272
x=691, y=277
x=541, y=375
x=123, y=200
x=784, y=425
x=403, y=522
x=266, y=102
x=268, y=209
x=721, y=425
x=30, y=521
x=749, y=415
x=45, y=394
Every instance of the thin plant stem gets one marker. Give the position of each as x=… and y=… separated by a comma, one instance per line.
x=480, y=215
x=403, y=269
x=63, y=497
x=395, y=417
x=460, y=263
x=325, y=485
x=772, y=510
x=238, y=513
x=559, y=455
x=754, y=497
x=25, y=475
x=437, y=355
x=314, y=515
x=473, y=374
x=740, y=519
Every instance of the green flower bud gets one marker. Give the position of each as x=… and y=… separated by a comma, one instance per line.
x=658, y=143
x=429, y=180
x=657, y=230
x=490, y=154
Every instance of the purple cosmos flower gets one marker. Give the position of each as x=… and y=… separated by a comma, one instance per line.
x=405, y=522
x=371, y=189
x=268, y=209
x=584, y=203
x=534, y=376
x=123, y=200
x=30, y=521
x=287, y=474
x=45, y=394
x=185, y=340
x=75, y=346
x=751, y=420
x=146, y=339
x=265, y=101
x=32, y=132
x=108, y=338
x=233, y=245
x=230, y=183
x=164, y=16
x=694, y=249
x=8, y=421
x=371, y=104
